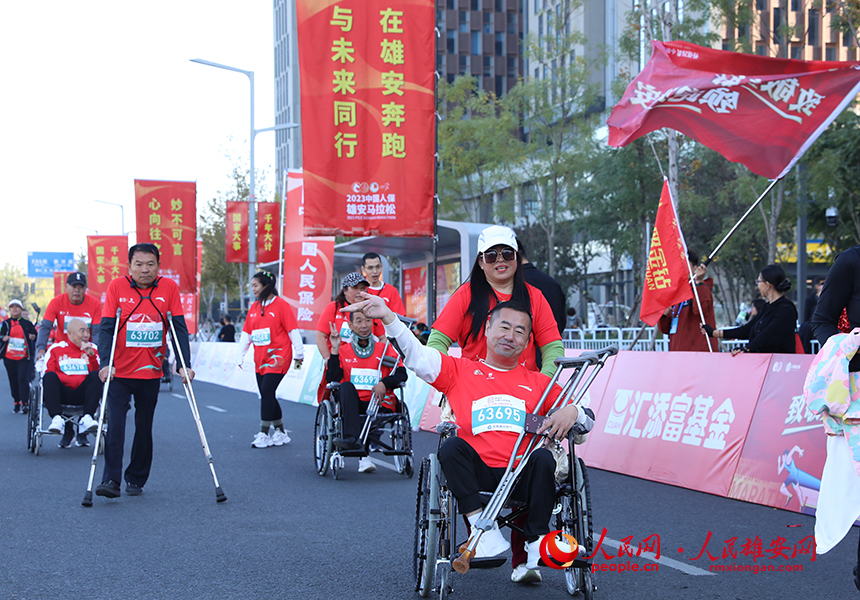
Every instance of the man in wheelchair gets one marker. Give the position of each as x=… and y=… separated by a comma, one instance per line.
x=72, y=378
x=490, y=399
x=362, y=369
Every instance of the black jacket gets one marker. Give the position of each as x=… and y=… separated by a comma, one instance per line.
x=29, y=329
x=841, y=291
x=772, y=330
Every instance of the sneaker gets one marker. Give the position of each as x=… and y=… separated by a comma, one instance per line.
x=132, y=490
x=57, y=424
x=279, y=438
x=88, y=424
x=25, y=408
x=261, y=440
x=492, y=542
x=108, y=489
x=82, y=441
x=66, y=440
x=17, y=408
x=365, y=465
x=522, y=574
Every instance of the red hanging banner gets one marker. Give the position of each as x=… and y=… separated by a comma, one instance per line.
x=60, y=281
x=107, y=259
x=167, y=217
x=308, y=262
x=760, y=111
x=368, y=116
x=236, y=248
x=268, y=218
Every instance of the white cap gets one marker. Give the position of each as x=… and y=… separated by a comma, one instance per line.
x=14, y=302
x=496, y=235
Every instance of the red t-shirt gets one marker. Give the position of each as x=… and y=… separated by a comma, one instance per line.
x=60, y=311
x=362, y=371
x=331, y=314
x=490, y=405
x=142, y=338
x=392, y=298
x=456, y=322
x=16, y=348
x=269, y=328
x=70, y=363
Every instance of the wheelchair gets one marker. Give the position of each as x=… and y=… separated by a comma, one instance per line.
x=36, y=424
x=436, y=548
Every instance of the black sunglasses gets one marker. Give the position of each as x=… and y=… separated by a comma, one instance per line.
x=491, y=256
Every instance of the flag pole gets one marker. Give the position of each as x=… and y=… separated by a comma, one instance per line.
x=711, y=256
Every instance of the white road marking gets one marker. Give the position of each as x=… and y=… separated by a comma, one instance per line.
x=215, y=408
x=669, y=562
x=180, y=396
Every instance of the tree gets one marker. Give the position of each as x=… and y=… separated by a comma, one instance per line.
x=12, y=280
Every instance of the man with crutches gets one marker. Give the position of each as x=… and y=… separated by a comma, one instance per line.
x=490, y=399
x=142, y=301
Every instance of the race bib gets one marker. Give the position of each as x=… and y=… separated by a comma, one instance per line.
x=363, y=379
x=345, y=333
x=499, y=412
x=261, y=337
x=67, y=318
x=74, y=366
x=17, y=345
x=143, y=335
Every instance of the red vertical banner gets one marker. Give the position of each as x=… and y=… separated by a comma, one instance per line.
x=308, y=262
x=107, y=259
x=191, y=302
x=415, y=293
x=236, y=248
x=268, y=219
x=167, y=217
x=60, y=281
x=368, y=116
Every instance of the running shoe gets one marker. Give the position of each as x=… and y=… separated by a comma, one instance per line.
x=57, y=424
x=522, y=574
x=365, y=465
x=261, y=440
x=82, y=441
x=133, y=490
x=279, y=438
x=88, y=424
x=66, y=440
x=108, y=489
x=17, y=408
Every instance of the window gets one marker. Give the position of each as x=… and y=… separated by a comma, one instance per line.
x=761, y=50
x=500, y=44
x=475, y=42
x=475, y=5
x=540, y=28
x=794, y=5
x=512, y=65
x=499, y=6
x=451, y=4
x=451, y=41
x=488, y=66
x=500, y=85
x=760, y=5
x=440, y=62
x=777, y=22
x=797, y=53
x=512, y=22
x=464, y=64
x=464, y=21
x=830, y=53
x=488, y=22
x=813, y=35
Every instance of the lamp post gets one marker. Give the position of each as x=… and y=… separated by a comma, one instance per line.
x=252, y=199
x=121, y=210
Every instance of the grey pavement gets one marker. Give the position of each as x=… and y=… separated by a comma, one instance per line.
x=286, y=532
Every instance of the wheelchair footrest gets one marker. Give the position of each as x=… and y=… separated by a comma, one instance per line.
x=396, y=453
x=493, y=562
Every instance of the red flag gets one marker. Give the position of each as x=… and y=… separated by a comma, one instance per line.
x=367, y=86
x=236, y=244
x=268, y=219
x=760, y=111
x=667, y=278
x=107, y=259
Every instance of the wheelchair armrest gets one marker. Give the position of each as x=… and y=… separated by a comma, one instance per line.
x=333, y=385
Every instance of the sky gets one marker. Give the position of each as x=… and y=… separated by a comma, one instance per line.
x=97, y=94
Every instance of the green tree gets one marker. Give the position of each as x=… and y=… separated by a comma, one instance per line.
x=12, y=280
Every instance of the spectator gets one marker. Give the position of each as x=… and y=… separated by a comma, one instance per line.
x=228, y=331
x=548, y=286
x=371, y=269
x=18, y=337
x=812, y=299
x=681, y=322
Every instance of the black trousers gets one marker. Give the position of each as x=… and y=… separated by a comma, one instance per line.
x=270, y=409
x=351, y=407
x=55, y=394
x=120, y=393
x=468, y=474
x=19, y=379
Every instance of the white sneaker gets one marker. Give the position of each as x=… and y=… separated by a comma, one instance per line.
x=279, y=438
x=533, y=550
x=522, y=574
x=261, y=440
x=88, y=425
x=365, y=465
x=57, y=424
x=492, y=542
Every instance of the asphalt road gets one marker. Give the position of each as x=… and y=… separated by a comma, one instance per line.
x=286, y=532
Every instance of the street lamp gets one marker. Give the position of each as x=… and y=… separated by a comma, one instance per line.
x=121, y=211
x=252, y=216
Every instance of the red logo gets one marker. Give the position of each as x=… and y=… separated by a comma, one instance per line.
x=558, y=549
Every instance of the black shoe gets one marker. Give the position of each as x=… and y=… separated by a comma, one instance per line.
x=17, y=408
x=82, y=441
x=108, y=489
x=66, y=440
x=25, y=409
x=349, y=443
x=132, y=490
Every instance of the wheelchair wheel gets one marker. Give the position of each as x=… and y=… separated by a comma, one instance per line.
x=322, y=438
x=401, y=441
x=426, y=526
x=576, y=521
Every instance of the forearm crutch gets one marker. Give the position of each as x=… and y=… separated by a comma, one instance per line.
x=192, y=403
x=375, y=401
x=88, y=496
x=572, y=391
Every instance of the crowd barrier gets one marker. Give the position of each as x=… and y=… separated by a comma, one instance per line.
x=731, y=426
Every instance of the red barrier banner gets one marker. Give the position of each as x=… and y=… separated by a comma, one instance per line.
x=268, y=220
x=667, y=419
x=167, y=217
x=785, y=451
x=236, y=244
x=367, y=91
x=107, y=259
x=60, y=282
x=415, y=293
x=308, y=262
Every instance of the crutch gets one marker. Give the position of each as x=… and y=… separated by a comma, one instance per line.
x=192, y=403
x=375, y=401
x=88, y=497
x=574, y=387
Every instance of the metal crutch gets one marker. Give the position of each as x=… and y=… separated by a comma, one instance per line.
x=192, y=403
x=88, y=497
x=373, y=405
x=573, y=387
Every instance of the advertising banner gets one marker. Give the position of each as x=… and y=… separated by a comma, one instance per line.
x=308, y=262
x=667, y=419
x=60, y=282
x=268, y=218
x=44, y=264
x=167, y=217
x=107, y=259
x=367, y=90
x=236, y=228
x=415, y=293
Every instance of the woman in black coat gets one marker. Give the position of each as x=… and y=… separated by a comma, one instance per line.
x=772, y=330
